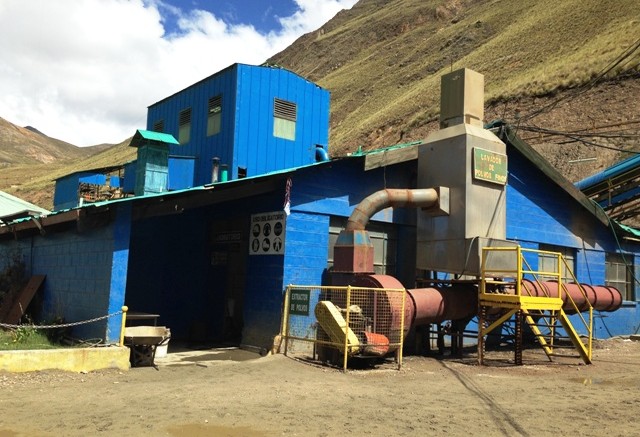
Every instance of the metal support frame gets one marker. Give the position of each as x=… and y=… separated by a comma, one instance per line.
x=525, y=307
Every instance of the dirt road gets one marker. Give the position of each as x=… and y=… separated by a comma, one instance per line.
x=238, y=393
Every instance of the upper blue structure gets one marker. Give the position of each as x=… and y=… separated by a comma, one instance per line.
x=255, y=119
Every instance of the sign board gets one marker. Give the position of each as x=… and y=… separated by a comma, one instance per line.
x=266, y=235
x=299, y=302
x=489, y=166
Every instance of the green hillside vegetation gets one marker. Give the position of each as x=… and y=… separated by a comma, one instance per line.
x=382, y=60
x=39, y=186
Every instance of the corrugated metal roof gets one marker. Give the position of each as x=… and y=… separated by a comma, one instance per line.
x=12, y=207
x=142, y=137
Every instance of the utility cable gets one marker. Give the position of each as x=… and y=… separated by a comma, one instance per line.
x=575, y=138
x=583, y=88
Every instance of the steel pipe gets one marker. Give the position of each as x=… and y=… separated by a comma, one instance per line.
x=437, y=304
x=370, y=205
x=602, y=298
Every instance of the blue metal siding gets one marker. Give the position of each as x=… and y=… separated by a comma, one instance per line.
x=196, y=97
x=66, y=192
x=336, y=188
x=538, y=211
x=246, y=138
x=181, y=171
x=129, y=184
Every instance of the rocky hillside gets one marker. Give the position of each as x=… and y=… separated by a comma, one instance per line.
x=27, y=145
x=565, y=66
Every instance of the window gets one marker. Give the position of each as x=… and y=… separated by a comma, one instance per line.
x=214, y=116
x=549, y=263
x=383, y=237
x=284, y=119
x=158, y=126
x=618, y=273
x=184, y=126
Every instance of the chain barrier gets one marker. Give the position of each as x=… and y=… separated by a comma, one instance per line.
x=62, y=325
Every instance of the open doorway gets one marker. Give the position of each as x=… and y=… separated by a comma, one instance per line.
x=229, y=252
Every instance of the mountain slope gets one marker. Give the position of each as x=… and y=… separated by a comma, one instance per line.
x=27, y=145
x=36, y=183
x=382, y=60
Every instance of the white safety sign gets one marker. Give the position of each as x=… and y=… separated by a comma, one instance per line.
x=267, y=233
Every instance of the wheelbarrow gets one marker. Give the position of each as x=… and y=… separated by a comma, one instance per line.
x=143, y=341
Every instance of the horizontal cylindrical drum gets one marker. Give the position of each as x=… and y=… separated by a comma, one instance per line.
x=436, y=304
x=602, y=298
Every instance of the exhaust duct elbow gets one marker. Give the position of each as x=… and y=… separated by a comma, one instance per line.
x=370, y=205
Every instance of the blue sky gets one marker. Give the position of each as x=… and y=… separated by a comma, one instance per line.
x=263, y=15
x=84, y=71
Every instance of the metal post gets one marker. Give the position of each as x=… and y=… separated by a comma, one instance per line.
x=124, y=322
x=481, y=318
x=518, y=338
x=346, y=330
x=285, y=320
x=399, y=356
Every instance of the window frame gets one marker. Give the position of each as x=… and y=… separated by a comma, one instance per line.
x=184, y=125
x=569, y=254
x=285, y=116
x=214, y=115
x=624, y=262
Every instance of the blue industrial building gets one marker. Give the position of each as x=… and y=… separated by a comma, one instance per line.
x=252, y=119
x=203, y=258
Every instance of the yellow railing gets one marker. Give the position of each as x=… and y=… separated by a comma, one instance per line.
x=353, y=321
x=495, y=291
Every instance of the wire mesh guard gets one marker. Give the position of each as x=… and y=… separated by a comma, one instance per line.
x=352, y=321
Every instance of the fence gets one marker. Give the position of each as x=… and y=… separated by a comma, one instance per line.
x=348, y=321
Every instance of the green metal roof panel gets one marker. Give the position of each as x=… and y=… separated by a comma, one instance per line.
x=11, y=207
x=142, y=137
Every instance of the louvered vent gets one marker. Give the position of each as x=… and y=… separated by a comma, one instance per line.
x=284, y=109
x=185, y=117
x=215, y=104
x=158, y=126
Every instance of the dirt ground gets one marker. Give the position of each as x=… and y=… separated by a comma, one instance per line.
x=231, y=392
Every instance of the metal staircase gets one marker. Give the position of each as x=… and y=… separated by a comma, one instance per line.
x=504, y=296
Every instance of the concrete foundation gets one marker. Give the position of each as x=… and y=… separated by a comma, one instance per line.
x=72, y=360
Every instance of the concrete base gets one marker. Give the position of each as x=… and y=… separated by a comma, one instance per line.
x=72, y=360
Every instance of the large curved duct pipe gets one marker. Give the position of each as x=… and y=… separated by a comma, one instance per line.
x=353, y=251
x=370, y=205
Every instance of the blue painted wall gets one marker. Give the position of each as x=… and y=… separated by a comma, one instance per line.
x=246, y=136
x=79, y=283
x=538, y=212
x=181, y=171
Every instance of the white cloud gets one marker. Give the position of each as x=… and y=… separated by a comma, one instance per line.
x=84, y=71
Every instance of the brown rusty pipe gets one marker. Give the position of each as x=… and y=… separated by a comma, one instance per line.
x=420, y=198
x=437, y=304
x=601, y=297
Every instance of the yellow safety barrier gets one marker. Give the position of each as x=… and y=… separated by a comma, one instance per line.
x=347, y=321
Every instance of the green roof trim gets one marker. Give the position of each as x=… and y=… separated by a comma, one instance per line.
x=144, y=137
